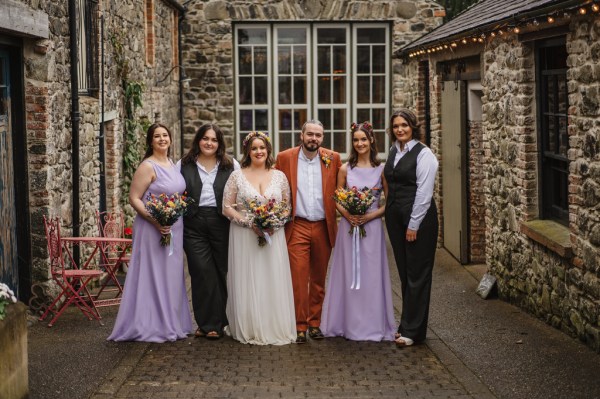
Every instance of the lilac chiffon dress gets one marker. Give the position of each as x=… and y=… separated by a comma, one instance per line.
x=365, y=313
x=155, y=307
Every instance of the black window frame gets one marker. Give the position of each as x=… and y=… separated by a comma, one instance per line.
x=88, y=36
x=553, y=164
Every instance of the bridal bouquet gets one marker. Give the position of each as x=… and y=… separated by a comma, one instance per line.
x=166, y=210
x=267, y=215
x=356, y=202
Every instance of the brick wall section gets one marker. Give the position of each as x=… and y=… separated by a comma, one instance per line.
x=476, y=197
x=208, y=51
x=149, y=14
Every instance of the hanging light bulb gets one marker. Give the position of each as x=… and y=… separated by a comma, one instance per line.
x=453, y=45
x=595, y=7
x=550, y=19
x=517, y=30
x=582, y=11
x=464, y=41
x=493, y=34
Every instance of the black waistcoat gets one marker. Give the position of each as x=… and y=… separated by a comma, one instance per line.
x=193, y=185
x=402, y=181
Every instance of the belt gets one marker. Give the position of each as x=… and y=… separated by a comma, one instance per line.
x=306, y=220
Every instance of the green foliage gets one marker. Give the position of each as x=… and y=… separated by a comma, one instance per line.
x=455, y=7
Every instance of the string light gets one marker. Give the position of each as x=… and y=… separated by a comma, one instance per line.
x=516, y=29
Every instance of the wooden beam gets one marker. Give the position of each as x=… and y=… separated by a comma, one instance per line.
x=18, y=19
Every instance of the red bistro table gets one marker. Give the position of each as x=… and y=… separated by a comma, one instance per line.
x=102, y=247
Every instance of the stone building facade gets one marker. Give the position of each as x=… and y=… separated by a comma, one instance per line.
x=213, y=44
x=536, y=110
x=35, y=37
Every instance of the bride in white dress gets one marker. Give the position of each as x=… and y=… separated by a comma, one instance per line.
x=260, y=306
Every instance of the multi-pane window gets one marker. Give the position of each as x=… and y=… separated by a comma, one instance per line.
x=88, y=46
x=289, y=73
x=553, y=124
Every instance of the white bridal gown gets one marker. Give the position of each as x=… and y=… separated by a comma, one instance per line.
x=260, y=306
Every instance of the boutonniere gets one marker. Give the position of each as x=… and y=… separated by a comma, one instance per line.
x=326, y=158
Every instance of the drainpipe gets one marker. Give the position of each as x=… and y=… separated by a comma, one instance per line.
x=101, y=136
x=182, y=12
x=75, y=117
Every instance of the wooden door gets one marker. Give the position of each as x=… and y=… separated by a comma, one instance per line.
x=8, y=237
x=454, y=190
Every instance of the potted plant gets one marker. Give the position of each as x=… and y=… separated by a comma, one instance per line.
x=13, y=346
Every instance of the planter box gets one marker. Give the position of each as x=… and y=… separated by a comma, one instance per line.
x=13, y=351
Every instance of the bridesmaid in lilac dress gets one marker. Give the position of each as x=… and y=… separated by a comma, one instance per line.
x=154, y=307
x=358, y=300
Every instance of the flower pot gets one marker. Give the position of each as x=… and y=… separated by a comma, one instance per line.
x=13, y=349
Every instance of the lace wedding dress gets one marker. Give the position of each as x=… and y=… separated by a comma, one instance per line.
x=260, y=306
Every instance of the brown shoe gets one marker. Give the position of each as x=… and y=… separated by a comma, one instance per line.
x=300, y=337
x=315, y=333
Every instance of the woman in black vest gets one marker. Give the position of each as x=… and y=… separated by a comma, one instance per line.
x=411, y=221
x=206, y=168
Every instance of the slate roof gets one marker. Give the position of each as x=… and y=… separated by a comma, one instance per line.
x=487, y=13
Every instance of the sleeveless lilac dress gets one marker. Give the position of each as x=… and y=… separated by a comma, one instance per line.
x=366, y=313
x=155, y=307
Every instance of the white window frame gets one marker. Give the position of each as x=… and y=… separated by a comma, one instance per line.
x=292, y=105
x=328, y=129
x=387, y=75
x=253, y=107
x=273, y=106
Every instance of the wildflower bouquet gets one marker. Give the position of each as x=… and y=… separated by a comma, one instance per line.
x=166, y=210
x=7, y=296
x=356, y=202
x=267, y=215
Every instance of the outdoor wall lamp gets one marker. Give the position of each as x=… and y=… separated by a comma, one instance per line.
x=183, y=79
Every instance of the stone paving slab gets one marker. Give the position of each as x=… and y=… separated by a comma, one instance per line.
x=331, y=368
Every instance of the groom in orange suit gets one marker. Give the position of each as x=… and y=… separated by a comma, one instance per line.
x=312, y=174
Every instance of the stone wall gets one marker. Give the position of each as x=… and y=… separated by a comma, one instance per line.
x=560, y=289
x=475, y=187
x=48, y=113
x=208, y=51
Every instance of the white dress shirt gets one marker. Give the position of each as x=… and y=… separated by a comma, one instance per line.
x=427, y=166
x=207, y=196
x=309, y=196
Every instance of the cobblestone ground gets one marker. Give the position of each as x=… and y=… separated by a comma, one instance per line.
x=332, y=368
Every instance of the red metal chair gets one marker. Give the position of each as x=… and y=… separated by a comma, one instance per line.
x=72, y=281
x=112, y=225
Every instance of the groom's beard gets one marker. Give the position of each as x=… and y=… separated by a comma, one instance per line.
x=311, y=146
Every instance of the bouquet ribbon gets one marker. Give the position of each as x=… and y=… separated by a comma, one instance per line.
x=171, y=246
x=267, y=237
x=355, y=258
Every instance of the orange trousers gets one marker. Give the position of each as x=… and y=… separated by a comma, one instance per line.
x=309, y=252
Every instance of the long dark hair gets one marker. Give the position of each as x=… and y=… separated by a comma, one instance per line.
x=225, y=161
x=410, y=118
x=367, y=128
x=150, y=136
x=247, y=145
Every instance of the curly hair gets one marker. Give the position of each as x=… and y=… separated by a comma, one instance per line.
x=247, y=145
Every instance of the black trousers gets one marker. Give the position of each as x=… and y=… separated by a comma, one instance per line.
x=415, y=265
x=206, y=242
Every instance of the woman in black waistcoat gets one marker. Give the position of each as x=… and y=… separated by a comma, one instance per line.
x=411, y=221
x=206, y=168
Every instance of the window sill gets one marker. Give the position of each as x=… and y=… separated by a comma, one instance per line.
x=550, y=234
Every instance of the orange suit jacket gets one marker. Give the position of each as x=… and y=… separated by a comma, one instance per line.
x=287, y=162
